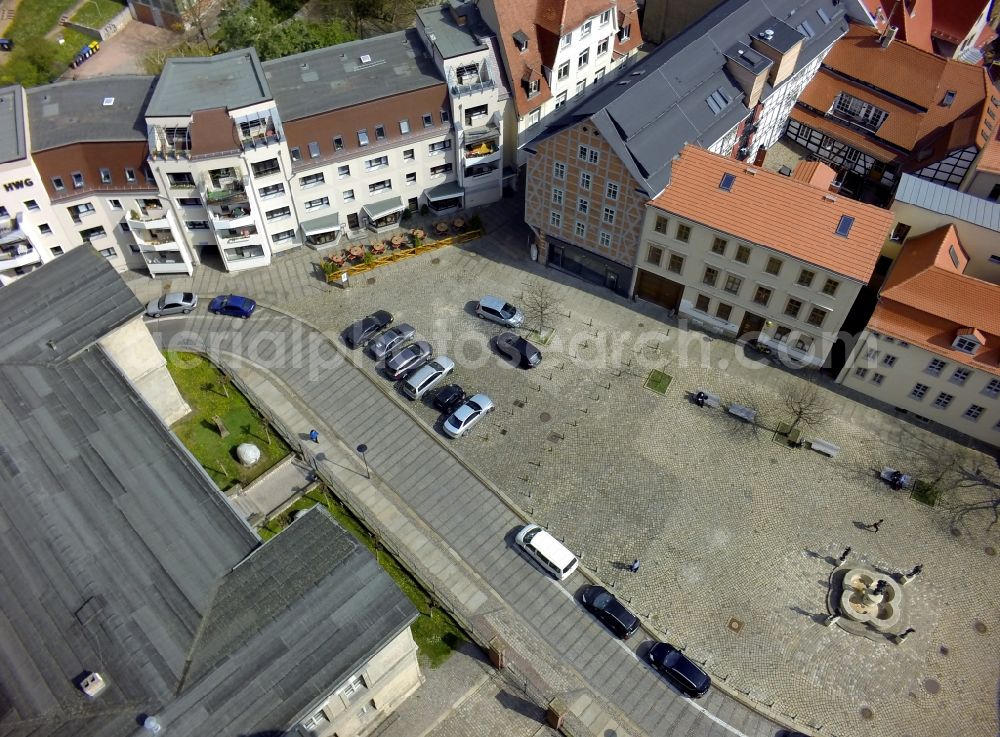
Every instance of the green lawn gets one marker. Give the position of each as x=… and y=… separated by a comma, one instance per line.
x=97, y=12
x=36, y=18
x=73, y=42
x=201, y=385
x=658, y=381
x=434, y=631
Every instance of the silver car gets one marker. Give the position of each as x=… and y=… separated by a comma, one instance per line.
x=423, y=379
x=382, y=345
x=408, y=359
x=499, y=311
x=465, y=417
x=172, y=303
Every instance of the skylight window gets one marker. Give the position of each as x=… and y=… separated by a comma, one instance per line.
x=727, y=182
x=805, y=29
x=949, y=97
x=717, y=101
x=366, y=59
x=823, y=16
x=844, y=226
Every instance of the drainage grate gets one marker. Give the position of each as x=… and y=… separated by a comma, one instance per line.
x=990, y=550
x=735, y=625
x=518, y=403
x=370, y=280
x=544, y=417
x=980, y=627
x=932, y=687
x=435, y=260
x=554, y=437
x=867, y=713
x=944, y=650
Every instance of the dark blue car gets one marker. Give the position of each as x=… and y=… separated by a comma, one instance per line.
x=232, y=305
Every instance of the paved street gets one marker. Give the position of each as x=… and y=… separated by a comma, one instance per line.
x=728, y=524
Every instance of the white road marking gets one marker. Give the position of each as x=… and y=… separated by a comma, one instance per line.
x=715, y=719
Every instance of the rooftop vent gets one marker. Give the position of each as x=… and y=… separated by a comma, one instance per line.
x=767, y=34
x=829, y=198
x=727, y=182
x=366, y=59
x=108, y=101
x=949, y=97
x=750, y=170
x=303, y=66
x=844, y=226
x=92, y=685
x=521, y=39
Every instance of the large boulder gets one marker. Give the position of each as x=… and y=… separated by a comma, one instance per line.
x=248, y=453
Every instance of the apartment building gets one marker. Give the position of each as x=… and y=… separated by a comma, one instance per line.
x=881, y=107
x=555, y=50
x=467, y=55
x=122, y=629
x=932, y=346
x=725, y=84
x=751, y=254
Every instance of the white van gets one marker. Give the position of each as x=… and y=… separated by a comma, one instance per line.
x=548, y=552
x=427, y=376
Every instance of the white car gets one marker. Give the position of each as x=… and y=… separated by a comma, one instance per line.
x=467, y=415
x=499, y=311
x=554, y=557
x=426, y=377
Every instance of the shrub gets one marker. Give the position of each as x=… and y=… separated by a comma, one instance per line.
x=476, y=222
x=424, y=209
x=406, y=214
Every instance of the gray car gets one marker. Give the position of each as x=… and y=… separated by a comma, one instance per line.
x=382, y=345
x=172, y=303
x=499, y=311
x=408, y=359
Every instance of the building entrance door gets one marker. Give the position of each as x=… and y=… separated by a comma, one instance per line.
x=751, y=324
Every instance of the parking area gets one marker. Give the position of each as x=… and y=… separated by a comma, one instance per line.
x=737, y=534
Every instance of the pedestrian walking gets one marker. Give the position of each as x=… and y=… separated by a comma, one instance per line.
x=847, y=552
x=875, y=525
x=314, y=436
x=635, y=566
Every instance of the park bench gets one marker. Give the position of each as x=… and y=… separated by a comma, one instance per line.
x=824, y=446
x=744, y=413
x=711, y=399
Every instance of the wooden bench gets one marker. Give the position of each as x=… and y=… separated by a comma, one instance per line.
x=824, y=446
x=711, y=399
x=744, y=413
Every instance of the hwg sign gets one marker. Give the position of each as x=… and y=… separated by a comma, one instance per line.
x=19, y=184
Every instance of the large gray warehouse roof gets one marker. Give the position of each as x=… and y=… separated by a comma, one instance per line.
x=119, y=555
x=350, y=74
x=98, y=109
x=661, y=103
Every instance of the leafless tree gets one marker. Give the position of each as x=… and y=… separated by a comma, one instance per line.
x=539, y=301
x=198, y=15
x=805, y=402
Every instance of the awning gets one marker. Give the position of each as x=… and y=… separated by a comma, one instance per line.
x=382, y=208
x=321, y=224
x=444, y=191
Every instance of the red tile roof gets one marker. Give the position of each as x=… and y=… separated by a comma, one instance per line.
x=927, y=300
x=815, y=173
x=779, y=212
x=953, y=19
x=915, y=29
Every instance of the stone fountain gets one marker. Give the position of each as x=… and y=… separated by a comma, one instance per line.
x=871, y=598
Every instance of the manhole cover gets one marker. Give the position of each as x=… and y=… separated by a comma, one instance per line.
x=955, y=532
x=544, y=417
x=932, y=687
x=990, y=550
x=735, y=625
x=370, y=280
x=944, y=650
x=435, y=260
x=867, y=713
x=518, y=403
x=980, y=627
x=554, y=437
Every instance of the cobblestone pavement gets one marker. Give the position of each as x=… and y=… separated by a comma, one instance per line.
x=737, y=534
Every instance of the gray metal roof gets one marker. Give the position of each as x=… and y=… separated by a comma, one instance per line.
x=746, y=57
x=234, y=80
x=12, y=147
x=119, y=554
x=450, y=38
x=336, y=76
x=98, y=109
x=940, y=199
x=649, y=112
x=780, y=36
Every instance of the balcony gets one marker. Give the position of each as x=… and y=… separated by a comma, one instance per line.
x=232, y=218
x=166, y=262
x=481, y=147
x=231, y=192
x=147, y=219
x=16, y=255
x=470, y=79
x=158, y=239
x=233, y=236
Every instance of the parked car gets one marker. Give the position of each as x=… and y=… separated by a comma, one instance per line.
x=423, y=379
x=362, y=331
x=680, y=669
x=381, y=346
x=233, y=305
x=554, y=557
x=499, y=311
x=448, y=398
x=519, y=350
x=603, y=605
x=409, y=358
x=467, y=415
x=172, y=303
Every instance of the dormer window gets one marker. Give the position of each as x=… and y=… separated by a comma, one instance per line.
x=968, y=341
x=949, y=98
x=534, y=87
x=858, y=111
x=521, y=39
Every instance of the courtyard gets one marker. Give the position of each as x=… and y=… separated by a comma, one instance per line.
x=737, y=534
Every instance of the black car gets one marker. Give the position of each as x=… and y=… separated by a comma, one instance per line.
x=448, y=398
x=680, y=669
x=362, y=331
x=519, y=350
x=603, y=605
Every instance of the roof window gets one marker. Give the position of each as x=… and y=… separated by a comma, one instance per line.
x=727, y=182
x=366, y=59
x=949, y=97
x=521, y=39
x=844, y=226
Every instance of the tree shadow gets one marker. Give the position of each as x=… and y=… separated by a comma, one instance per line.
x=520, y=705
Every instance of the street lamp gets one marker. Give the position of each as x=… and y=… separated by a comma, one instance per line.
x=362, y=449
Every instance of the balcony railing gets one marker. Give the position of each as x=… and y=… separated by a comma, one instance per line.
x=235, y=192
x=20, y=255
